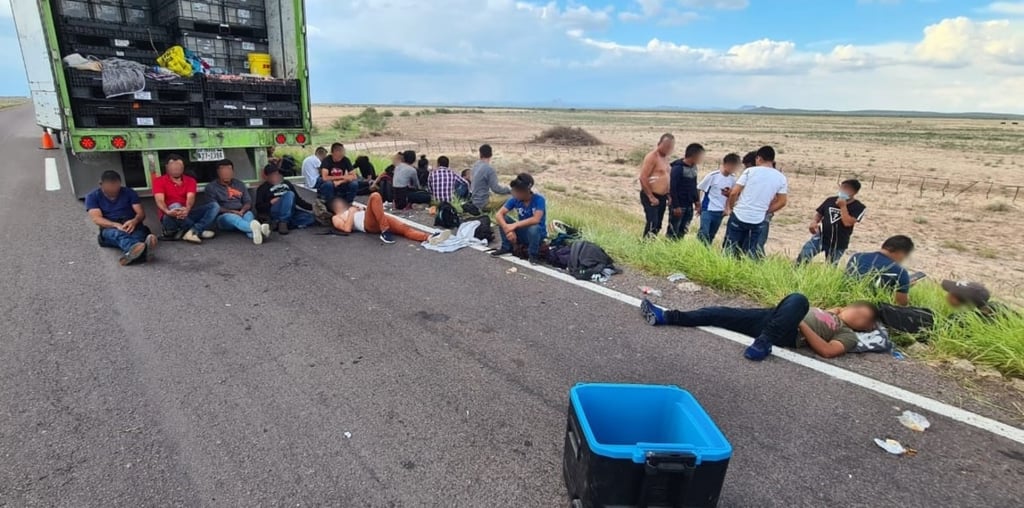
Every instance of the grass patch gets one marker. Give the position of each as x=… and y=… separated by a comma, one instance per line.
x=567, y=136
x=999, y=207
x=551, y=187
x=999, y=345
x=920, y=220
x=953, y=245
x=370, y=121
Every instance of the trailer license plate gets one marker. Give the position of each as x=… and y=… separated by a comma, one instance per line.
x=208, y=155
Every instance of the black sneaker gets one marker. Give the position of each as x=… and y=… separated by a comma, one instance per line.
x=150, y=247
x=500, y=252
x=534, y=260
x=282, y=228
x=387, y=237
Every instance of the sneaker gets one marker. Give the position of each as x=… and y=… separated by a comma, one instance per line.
x=439, y=237
x=150, y=247
x=759, y=350
x=265, y=228
x=133, y=254
x=500, y=252
x=192, y=237
x=387, y=237
x=207, y=235
x=388, y=205
x=257, y=232
x=534, y=260
x=282, y=228
x=654, y=315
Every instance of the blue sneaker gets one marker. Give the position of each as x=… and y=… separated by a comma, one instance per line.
x=759, y=350
x=387, y=237
x=654, y=315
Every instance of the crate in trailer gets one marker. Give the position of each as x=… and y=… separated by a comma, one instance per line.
x=145, y=56
x=105, y=35
x=75, y=9
x=89, y=85
x=170, y=115
x=212, y=48
x=255, y=18
x=188, y=14
x=113, y=114
x=137, y=12
x=102, y=113
x=239, y=122
x=230, y=109
x=107, y=11
x=641, y=445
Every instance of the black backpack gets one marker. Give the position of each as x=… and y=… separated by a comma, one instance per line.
x=470, y=209
x=447, y=217
x=906, y=319
x=484, y=232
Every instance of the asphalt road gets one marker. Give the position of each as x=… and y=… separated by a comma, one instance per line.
x=233, y=375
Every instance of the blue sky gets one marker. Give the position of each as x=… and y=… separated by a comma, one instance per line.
x=940, y=55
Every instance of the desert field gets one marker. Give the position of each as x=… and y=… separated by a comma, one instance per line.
x=950, y=184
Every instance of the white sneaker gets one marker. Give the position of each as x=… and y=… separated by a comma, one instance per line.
x=191, y=237
x=207, y=235
x=265, y=228
x=257, y=232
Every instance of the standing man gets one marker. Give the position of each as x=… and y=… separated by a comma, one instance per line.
x=443, y=181
x=715, y=188
x=685, y=198
x=760, y=190
x=885, y=267
x=337, y=178
x=484, y=180
x=279, y=203
x=311, y=167
x=118, y=213
x=833, y=224
x=175, y=195
x=232, y=197
x=654, y=184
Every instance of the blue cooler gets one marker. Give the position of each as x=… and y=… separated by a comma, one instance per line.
x=641, y=446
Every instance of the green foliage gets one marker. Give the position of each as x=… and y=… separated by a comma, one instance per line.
x=370, y=121
x=405, y=114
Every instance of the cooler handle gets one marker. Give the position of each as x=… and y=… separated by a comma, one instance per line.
x=668, y=463
x=574, y=440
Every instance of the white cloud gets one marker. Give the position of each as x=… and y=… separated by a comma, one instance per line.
x=960, y=42
x=1006, y=8
x=715, y=4
x=678, y=12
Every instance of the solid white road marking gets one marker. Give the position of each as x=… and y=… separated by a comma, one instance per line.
x=941, y=408
x=50, y=170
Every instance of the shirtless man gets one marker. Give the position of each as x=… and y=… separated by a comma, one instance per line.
x=655, y=184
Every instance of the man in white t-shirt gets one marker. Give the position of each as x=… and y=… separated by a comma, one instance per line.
x=760, y=190
x=311, y=167
x=715, y=189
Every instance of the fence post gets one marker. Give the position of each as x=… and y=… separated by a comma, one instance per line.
x=1015, y=194
x=899, y=180
x=921, y=193
x=944, y=188
x=872, y=182
x=815, y=180
x=989, y=191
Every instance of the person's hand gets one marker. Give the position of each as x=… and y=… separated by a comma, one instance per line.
x=238, y=213
x=696, y=210
x=511, y=235
x=841, y=203
x=508, y=228
x=727, y=212
x=814, y=228
x=677, y=212
x=652, y=199
x=129, y=227
x=274, y=201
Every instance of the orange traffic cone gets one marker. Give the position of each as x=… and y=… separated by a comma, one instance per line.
x=47, y=142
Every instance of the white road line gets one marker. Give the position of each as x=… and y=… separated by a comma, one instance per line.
x=50, y=170
x=941, y=408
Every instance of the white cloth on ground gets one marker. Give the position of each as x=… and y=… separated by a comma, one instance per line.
x=464, y=237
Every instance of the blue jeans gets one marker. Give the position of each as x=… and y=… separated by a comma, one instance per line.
x=327, y=191
x=780, y=326
x=199, y=219
x=679, y=226
x=229, y=221
x=813, y=247
x=763, y=240
x=710, y=223
x=285, y=211
x=116, y=239
x=531, y=235
x=743, y=238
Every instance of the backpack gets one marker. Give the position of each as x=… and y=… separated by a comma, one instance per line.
x=587, y=259
x=447, y=217
x=321, y=214
x=558, y=256
x=485, y=231
x=906, y=319
x=470, y=209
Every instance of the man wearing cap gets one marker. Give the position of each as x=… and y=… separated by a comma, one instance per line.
x=960, y=294
x=278, y=202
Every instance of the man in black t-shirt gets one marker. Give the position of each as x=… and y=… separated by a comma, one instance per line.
x=337, y=177
x=833, y=224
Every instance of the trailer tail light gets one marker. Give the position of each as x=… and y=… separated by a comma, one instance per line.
x=300, y=139
x=87, y=143
x=119, y=142
x=281, y=139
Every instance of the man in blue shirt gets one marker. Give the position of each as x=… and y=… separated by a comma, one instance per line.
x=118, y=213
x=884, y=267
x=530, y=227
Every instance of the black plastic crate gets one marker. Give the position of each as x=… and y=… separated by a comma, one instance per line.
x=130, y=114
x=253, y=90
x=203, y=13
x=212, y=48
x=107, y=11
x=95, y=34
x=230, y=109
x=137, y=12
x=255, y=18
x=89, y=85
x=241, y=122
x=145, y=56
x=74, y=9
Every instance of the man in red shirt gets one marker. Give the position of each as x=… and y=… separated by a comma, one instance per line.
x=175, y=196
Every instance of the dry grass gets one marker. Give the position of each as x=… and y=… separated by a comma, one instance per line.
x=567, y=136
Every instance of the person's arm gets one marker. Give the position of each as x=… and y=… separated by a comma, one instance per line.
x=822, y=347
x=98, y=219
x=344, y=221
x=140, y=216
x=534, y=220
x=646, y=170
x=495, y=185
x=190, y=203
x=778, y=203
x=676, y=191
x=902, y=295
x=264, y=200
x=246, y=201
x=508, y=229
x=734, y=195
x=161, y=204
x=844, y=213
x=815, y=227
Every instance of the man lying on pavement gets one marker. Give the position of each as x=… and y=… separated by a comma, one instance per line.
x=349, y=217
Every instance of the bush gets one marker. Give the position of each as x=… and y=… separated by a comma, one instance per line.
x=387, y=114
x=405, y=114
x=999, y=207
x=567, y=136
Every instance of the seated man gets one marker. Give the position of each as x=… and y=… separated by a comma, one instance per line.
x=367, y=174
x=232, y=198
x=279, y=202
x=833, y=224
x=337, y=177
x=884, y=267
x=118, y=213
x=793, y=323
x=349, y=217
x=311, y=167
x=530, y=227
x=444, y=183
x=966, y=294
x=405, y=184
x=175, y=195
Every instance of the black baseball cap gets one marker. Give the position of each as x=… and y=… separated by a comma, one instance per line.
x=970, y=292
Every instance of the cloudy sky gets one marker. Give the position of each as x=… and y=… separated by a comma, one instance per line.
x=940, y=55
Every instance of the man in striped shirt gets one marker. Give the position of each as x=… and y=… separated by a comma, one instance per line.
x=443, y=181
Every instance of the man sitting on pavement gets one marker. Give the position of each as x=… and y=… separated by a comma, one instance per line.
x=791, y=324
x=405, y=185
x=118, y=213
x=833, y=224
x=337, y=176
x=278, y=202
x=349, y=217
x=530, y=226
x=232, y=197
x=443, y=181
x=175, y=195
x=484, y=180
x=311, y=167
x=884, y=267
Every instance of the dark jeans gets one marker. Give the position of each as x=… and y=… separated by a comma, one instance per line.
x=532, y=236
x=327, y=191
x=285, y=211
x=814, y=246
x=405, y=196
x=710, y=223
x=116, y=239
x=461, y=191
x=679, y=226
x=743, y=238
x=780, y=326
x=199, y=219
x=763, y=239
x=655, y=214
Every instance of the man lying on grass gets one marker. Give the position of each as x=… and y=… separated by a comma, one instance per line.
x=793, y=323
